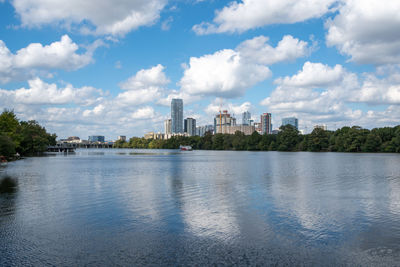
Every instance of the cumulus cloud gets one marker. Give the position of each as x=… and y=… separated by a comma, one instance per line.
x=35, y=57
x=147, y=85
x=378, y=91
x=367, y=31
x=258, y=50
x=316, y=94
x=223, y=73
x=112, y=17
x=240, y=16
x=229, y=73
x=323, y=94
x=68, y=110
x=220, y=104
x=153, y=77
x=42, y=93
x=143, y=113
x=314, y=75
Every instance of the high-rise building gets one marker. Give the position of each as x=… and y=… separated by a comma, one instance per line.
x=167, y=126
x=177, y=115
x=246, y=118
x=201, y=130
x=96, y=138
x=190, y=126
x=291, y=121
x=222, y=121
x=266, y=126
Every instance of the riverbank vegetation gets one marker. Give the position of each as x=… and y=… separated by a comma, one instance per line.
x=346, y=139
x=22, y=137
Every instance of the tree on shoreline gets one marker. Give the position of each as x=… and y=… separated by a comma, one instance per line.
x=346, y=139
x=26, y=138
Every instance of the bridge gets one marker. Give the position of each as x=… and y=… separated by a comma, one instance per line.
x=70, y=147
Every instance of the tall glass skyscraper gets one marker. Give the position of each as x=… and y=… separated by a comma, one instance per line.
x=177, y=115
x=246, y=117
x=291, y=121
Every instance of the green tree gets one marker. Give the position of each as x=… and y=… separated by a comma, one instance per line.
x=318, y=140
x=288, y=138
x=7, y=146
x=253, y=141
x=35, y=139
x=218, y=142
x=372, y=143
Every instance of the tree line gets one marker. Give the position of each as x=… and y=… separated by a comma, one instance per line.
x=346, y=139
x=23, y=137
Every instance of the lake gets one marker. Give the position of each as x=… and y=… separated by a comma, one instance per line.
x=166, y=207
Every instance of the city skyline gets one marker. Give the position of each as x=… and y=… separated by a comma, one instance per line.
x=115, y=71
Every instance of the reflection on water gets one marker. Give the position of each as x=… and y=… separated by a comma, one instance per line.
x=152, y=207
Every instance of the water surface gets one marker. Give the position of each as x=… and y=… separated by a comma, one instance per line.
x=153, y=207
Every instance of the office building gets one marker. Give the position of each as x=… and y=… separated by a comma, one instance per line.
x=246, y=118
x=222, y=121
x=201, y=130
x=291, y=121
x=153, y=135
x=167, y=126
x=266, y=126
x=189, y=126
x=96, y=138
x=177, y=115
x=122, y=138
x=246, y=129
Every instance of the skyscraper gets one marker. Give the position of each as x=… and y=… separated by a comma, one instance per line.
x=266, y=126
x=167, y=126
x=177, y=115
x=190, y=126
x=222, y=121
x=246, y=117
x=291, y=121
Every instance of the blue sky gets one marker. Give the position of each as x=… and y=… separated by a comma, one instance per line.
x=112, y=67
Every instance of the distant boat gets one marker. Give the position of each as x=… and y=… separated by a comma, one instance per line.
x=185, y=148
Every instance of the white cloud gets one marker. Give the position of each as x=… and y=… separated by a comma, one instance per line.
x=41, y=93
x=322, y=94
x=220, y=104
x=79, y=111
x=147, y=85
x=114, y=17
x=166, y=24
x=379, y=91
x=258, y=50
x=144, y=113
x=153, y=77
x=367, y=31
x=314, y=75
x=229, y=73
x=224, y=73
x=138, y=97
x=316, y=94
x=29, y=61
x=240, y=16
